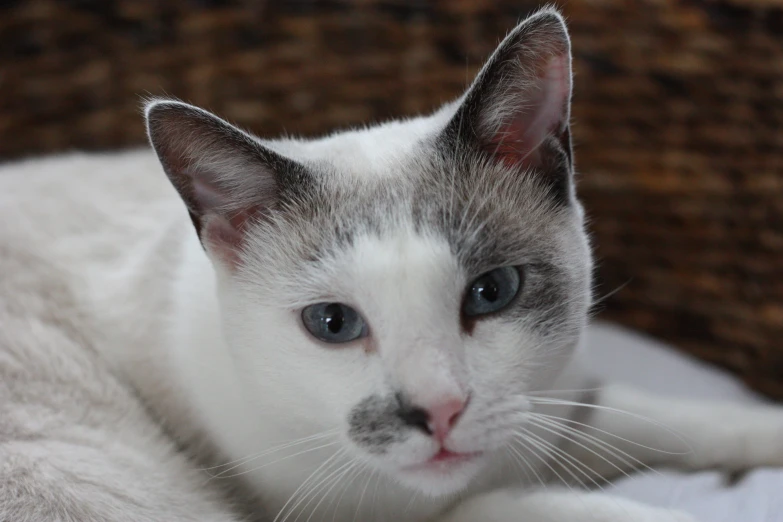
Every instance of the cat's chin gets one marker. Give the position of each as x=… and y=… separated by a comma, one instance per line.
x=440, y=477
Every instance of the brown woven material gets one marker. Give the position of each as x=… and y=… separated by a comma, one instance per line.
x=678, y=119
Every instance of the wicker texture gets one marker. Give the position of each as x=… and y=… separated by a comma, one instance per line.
x=677, y=121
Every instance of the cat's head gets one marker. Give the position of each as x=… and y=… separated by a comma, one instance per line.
x=407, y=284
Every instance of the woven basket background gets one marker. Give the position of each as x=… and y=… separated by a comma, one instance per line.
x=677, y=114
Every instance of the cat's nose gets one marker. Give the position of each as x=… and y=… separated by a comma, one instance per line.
x=436, y=420
x=443, y=416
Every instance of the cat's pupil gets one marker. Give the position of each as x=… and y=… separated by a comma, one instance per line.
x=334, y=318
x=488, y=290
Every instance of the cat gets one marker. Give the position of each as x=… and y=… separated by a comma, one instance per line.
x=375, y=325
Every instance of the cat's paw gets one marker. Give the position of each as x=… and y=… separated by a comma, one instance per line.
x=744, y=438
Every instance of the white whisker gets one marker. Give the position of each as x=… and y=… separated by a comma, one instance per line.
x=612, y=450
x=280, y=460
x=410, y=502
x=306, y=482
x=316, y=488
x=378, y=478
x=525, y=441
x=565, y=391
x=516, y=468
x=568, y=459
x=335, y=482
x=356, y=473
x=361, y=498
x=558, y=402
x=240, y=462
x=608, y=433
x=554, y=453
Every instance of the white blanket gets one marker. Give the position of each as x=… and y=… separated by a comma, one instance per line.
x=709, y=496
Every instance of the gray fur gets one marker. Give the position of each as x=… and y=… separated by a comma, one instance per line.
x=375, y=423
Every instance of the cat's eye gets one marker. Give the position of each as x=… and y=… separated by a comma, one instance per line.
x=333, y=322
x=492, y=291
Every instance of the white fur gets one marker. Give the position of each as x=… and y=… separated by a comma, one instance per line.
x=66, y=210
x=75, y=210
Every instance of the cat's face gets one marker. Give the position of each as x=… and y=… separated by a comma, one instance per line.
x=406, y=285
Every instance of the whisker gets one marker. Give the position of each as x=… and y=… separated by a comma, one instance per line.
x=540, y=424
x=572, y=461
x=316, y=488
x=410, y=502
x=527, y=480
x=610, y=434
x=361, y=498
x=600, y=300
x=279, y=460
x=244, y=460
x=356, y=473
x=564, y=391
x=307, y=480
x=558, y=454
x=334, y=483
x=559, y=402
x=612, y=450
x=507, y=409
x=524, y=441
x=526, y=462
x=378, y=478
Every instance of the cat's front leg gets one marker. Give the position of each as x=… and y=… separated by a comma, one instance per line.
x=562, y=506
x=638, y=428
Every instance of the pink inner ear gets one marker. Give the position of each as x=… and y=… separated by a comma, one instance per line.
x=542, y=109
x=223, y=229
x=226, y=235
x=223, y=239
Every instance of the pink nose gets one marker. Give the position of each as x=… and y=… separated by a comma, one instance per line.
x=443, y=417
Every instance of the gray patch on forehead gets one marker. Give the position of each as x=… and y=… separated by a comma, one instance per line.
x=493, y=216
x=324, y=219
x=490, y=214
x=374, y=424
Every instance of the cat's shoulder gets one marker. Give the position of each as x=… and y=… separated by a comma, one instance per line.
x=129, y=173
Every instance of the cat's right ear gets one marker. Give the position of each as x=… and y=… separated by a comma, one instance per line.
x=226, y=178
x=517, y=110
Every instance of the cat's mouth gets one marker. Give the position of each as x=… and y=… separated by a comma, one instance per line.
x=444, y=472
x=444, y=460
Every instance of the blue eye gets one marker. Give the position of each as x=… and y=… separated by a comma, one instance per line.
x=492, y=291
x=333, y=322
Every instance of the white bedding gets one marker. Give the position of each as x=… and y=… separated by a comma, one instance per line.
x=628, y=357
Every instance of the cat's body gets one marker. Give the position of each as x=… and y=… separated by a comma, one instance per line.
x=122, y=339
x=76, y=441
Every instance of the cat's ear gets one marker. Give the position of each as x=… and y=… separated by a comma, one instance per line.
x=520, y=101
x=225, y=177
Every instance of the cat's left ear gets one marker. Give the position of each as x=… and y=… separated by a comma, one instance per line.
x=226, y=178
x=517, y=109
